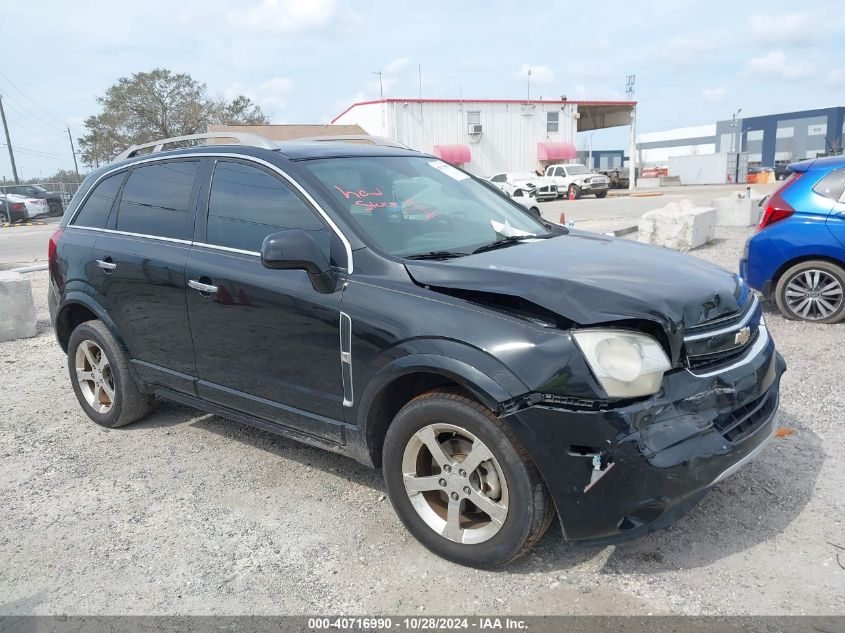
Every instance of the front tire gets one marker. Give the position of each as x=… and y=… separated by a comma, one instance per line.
x=101, y=379
x=601, y=194
x=573, y=191
x=461, y=483
x=812, y=291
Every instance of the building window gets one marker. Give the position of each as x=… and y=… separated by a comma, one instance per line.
x=552, y=121
x=474, y=117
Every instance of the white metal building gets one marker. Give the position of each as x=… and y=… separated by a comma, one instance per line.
x=489, y=136
x=656, y=148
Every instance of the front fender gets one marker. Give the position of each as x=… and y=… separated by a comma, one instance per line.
x=482, y=386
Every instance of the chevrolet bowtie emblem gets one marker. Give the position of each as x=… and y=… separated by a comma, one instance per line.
x=742, y=336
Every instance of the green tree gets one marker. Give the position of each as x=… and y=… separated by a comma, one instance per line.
x=157, y=104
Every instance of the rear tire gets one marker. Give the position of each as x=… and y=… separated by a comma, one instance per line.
x=484, y=516
x=99, y=373
x=812, y=291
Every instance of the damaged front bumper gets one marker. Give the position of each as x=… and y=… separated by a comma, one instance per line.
x=618, y=473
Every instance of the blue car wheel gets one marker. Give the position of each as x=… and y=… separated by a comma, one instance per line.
x=813, y=290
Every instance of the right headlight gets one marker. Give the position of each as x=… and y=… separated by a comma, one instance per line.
x=626, y=363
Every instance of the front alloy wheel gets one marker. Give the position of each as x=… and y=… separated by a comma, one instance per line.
x=460, y=481
x=455, y=483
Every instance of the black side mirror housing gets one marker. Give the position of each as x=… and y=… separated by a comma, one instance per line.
x=295, y=249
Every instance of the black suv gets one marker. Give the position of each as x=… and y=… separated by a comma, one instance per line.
x=385, y=305
x=53, y=198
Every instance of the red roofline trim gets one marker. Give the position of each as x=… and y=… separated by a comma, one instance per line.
x=515, y=101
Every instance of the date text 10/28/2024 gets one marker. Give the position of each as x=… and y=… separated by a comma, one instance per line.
x=431, y=623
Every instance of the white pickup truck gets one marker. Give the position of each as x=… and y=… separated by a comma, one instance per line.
x=578, y=180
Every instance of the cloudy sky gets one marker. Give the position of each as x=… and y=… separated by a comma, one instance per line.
x=305, y=61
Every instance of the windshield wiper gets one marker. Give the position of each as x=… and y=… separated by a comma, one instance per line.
x=436, y=255
x=507, y=241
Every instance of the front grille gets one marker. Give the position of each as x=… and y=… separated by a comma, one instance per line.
x=719, y=342
x=716, y=359
x=740, y=423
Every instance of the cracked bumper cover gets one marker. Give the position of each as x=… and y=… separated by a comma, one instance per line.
x=664, y=453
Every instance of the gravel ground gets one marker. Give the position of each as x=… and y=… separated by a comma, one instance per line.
x=188, y=513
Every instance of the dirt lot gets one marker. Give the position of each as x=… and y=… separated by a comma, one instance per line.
x=189, y=513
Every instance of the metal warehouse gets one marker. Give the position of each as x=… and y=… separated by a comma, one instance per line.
x=769, y=141
x=489, y=136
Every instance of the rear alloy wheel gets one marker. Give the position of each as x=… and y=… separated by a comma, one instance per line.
x=461, y=483
x=4, y=219
x=812, y=291
x=101, y=378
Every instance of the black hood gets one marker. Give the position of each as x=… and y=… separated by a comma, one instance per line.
x=589, y=278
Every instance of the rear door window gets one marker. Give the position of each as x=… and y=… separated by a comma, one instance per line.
x=96, y=208
x=246, y=204
x=831, y=186
x=158, y=200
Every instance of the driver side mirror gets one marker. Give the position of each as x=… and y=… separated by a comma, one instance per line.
x=295, y=249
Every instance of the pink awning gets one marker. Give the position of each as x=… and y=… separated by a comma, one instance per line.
x=555, y=151
x=453, y=154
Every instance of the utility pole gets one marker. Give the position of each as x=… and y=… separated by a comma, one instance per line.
x=9, y=142
x=630, y=82
x=73, y=151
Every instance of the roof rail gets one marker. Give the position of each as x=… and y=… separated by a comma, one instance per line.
x=352, y=138
x=244, y=138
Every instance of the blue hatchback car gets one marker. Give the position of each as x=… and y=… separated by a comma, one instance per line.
x=798, y=251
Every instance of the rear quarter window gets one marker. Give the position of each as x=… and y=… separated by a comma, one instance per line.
x=96, y=208
x=831, y=186
x=158, y=200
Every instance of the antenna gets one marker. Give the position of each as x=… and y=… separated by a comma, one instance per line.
x=529, y=85
x=630, y=80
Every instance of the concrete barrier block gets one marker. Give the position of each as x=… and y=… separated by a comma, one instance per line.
x=648, y=183
x=17, y=310
x=681, y=227
x=736, y=210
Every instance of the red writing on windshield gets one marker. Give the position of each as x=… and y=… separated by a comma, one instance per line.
x=369, y=205
x=361, y=193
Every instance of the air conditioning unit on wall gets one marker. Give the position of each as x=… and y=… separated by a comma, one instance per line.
x=475, y=129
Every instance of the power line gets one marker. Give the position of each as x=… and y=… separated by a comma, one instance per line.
x=33, y=121
x=31, y=100
x=31, y=113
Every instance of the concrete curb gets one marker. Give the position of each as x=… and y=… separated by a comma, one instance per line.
x=30, y=269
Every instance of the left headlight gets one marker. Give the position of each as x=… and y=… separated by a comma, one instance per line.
x=627, y=364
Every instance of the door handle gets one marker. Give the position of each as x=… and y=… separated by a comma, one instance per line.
x=206, y=289
x=106, y=264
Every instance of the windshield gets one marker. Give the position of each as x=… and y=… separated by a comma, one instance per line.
x=576, y=170
x=411, y=206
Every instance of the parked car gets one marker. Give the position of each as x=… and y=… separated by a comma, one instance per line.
x=618, y=178
x=55, y=200
x=782, y=172
x=498, y=369
x=578, y=180
x=11, y=211
x=33, y=207
x=797, y=254
x=516, y=183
